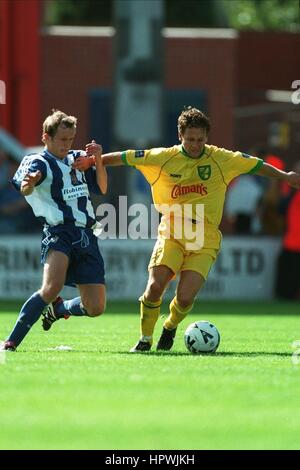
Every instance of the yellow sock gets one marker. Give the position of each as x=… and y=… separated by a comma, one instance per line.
x=177, y=314
x=149, y=315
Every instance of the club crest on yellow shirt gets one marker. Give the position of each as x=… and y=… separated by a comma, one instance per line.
x=204, y=172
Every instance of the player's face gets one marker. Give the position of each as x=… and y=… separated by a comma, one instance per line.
x=193, y=140
x=61, y=143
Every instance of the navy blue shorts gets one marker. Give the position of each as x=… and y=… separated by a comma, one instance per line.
x=86, y=264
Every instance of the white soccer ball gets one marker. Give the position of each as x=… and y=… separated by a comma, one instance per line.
x=202, y=337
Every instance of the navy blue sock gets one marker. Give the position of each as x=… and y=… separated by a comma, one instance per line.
x=29, y=314
x=70, y=307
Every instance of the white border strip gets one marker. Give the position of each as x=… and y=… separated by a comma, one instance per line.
x=88, y=31
x=194, y=33
x=279, y=96
x=109, y=31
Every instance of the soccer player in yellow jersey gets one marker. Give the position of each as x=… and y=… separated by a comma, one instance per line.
x=192, y=179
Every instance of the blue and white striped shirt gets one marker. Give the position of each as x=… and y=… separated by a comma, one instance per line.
x=62, y=196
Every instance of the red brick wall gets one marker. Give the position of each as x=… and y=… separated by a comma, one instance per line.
x=233, y=71
x=268, y=60
x=208, y=64
x=71, y=67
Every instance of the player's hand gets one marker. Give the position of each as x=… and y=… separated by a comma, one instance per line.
x=29, y=182
x=31, y=179
x=93, y=149
x=293, y=179
x=84, y=163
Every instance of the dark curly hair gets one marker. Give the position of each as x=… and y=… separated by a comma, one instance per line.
x=192, y=117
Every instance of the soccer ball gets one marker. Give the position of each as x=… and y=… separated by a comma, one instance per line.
x=202, y=337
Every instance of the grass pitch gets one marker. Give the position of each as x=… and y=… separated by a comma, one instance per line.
x=99, y=396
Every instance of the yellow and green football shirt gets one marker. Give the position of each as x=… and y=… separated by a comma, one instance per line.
x=176, y=178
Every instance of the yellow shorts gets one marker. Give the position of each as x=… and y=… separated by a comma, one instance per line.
x=171, y=253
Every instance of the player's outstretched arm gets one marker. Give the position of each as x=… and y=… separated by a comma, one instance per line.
x=101, y=173
x=109, y=159
x=29, y=182
x=112, y=159
x=292, y=178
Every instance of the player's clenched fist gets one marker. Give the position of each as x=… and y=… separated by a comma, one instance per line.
x=293, y=179
x=93, y=149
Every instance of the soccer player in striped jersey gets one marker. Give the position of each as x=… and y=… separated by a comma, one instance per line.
x=196, y=175
x=60, y=197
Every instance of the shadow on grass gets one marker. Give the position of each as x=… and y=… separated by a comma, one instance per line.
x=232, y=354
x=218, y=354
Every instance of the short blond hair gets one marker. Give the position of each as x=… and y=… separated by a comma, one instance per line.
x=56, y=119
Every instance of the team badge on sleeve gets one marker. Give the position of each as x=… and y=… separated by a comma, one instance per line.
x=204, y=172
x=22, y=170
x=139, y=153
